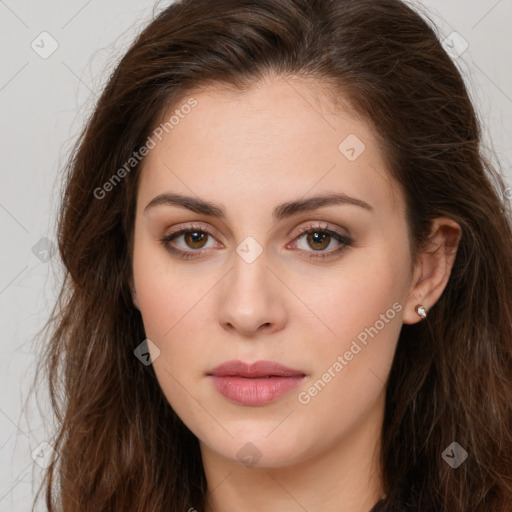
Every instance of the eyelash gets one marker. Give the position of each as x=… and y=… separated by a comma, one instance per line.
x=313, y=228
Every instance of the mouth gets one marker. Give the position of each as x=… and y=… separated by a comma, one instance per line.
x=254, y=384
x=259, y=369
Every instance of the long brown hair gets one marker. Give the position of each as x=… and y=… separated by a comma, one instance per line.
x=120, y=445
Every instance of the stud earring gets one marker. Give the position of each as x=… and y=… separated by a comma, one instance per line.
x=421, y=310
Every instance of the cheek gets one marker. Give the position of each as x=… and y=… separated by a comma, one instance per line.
x=353, y=298
x=173, y=302
x=352, y=361
x=167, y=309
x=361, y=311
x=164, y=291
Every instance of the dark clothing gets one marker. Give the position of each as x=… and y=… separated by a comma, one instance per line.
x=378, y=506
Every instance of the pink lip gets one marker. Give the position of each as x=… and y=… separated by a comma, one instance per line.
x=254, y=384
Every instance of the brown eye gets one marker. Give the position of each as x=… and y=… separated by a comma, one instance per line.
x=317, y=240
x=314, y=241
x=195, y=239
x=188, y=242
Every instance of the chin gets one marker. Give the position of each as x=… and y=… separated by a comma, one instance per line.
x=256, y=451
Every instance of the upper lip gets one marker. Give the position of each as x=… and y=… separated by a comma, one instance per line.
x=257, y=369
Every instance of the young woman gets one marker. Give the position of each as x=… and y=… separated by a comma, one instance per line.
x=288, y=273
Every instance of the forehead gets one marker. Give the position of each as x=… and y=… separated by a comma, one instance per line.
x=278, y=139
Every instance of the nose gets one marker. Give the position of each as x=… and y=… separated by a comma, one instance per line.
x=252, y=298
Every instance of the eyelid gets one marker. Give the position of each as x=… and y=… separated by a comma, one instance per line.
x=191, y=227
x=323, y=225
x=344, y=240
x=319, y=225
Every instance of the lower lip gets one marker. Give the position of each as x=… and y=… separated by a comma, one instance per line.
x=261, y=391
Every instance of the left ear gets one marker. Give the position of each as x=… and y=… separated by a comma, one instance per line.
x=433, y=268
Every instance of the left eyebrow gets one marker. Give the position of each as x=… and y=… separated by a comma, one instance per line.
x=313, y=203
x=282, y=211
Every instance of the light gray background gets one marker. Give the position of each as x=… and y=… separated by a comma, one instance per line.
x=43, y=105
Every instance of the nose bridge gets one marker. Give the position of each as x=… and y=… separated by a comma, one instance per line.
x=249, y=278
x=250, y=297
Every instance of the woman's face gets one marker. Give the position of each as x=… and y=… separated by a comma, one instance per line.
x=246, y=173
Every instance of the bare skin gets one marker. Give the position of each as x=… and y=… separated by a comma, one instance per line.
x=249, y=153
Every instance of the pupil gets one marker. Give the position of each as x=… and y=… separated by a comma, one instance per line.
x=195, y=237
x=319, y=238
